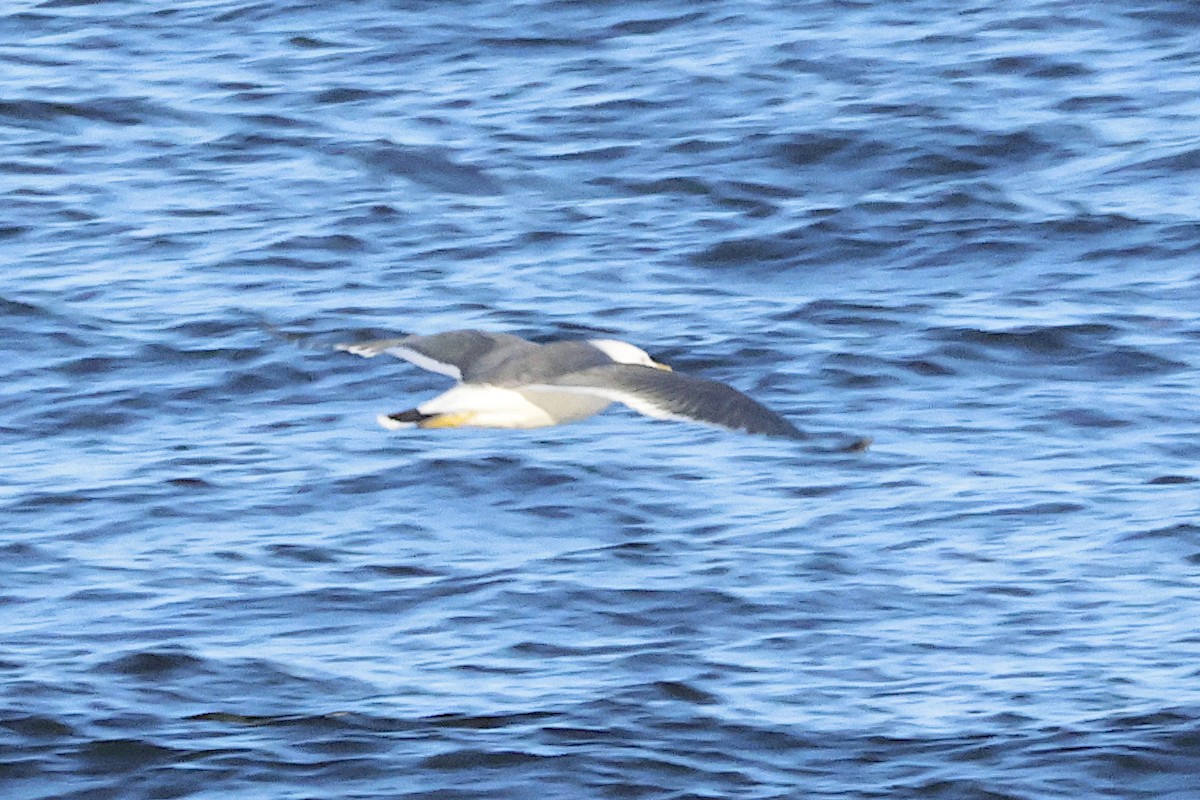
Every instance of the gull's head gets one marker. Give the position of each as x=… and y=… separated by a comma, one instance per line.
x=625, y=353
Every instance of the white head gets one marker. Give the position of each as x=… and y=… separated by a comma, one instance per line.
x=625, y=353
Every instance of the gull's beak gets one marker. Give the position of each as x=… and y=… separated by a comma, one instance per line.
x=657, y=365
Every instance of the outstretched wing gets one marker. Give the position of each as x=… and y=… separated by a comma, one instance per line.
x=670, y=395
x=454, y=353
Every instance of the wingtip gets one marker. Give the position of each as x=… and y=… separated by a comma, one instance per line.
x=859, y=445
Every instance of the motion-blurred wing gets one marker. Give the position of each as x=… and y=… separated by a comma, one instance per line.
x=670, y=395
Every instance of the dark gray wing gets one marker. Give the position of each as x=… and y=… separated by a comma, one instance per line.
x=669, y=395
x=459, y=354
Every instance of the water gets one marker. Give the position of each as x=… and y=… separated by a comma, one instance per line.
x=969, y=232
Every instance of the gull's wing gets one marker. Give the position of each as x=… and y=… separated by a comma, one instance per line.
x=669, y=395
x=454, y=353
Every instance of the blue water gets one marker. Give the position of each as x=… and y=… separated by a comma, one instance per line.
x=969, y=232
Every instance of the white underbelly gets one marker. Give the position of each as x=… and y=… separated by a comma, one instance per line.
x=496, y=407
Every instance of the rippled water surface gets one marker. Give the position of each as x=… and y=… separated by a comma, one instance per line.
x=970, y=232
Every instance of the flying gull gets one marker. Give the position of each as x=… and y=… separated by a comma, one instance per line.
x=508, y=382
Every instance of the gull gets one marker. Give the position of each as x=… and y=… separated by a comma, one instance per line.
x=505, y=381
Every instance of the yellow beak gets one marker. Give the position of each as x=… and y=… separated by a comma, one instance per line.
x=657, y=365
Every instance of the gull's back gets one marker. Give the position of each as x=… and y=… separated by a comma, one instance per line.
x=520, y=366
